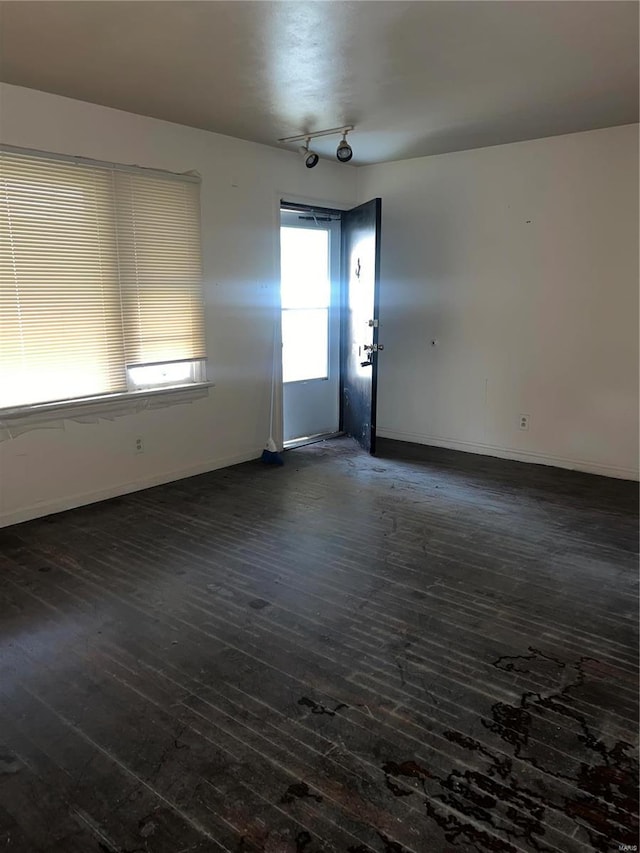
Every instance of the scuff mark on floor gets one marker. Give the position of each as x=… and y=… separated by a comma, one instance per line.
x=317, y=708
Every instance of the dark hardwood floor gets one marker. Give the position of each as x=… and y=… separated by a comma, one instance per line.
x=425, y=651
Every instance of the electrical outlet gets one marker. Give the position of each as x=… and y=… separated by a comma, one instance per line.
x=524, y=422
x=139, y=446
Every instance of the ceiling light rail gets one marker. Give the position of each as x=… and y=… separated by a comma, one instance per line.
x=344, y=152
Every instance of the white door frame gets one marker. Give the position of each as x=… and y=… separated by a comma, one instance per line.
x=276, y=307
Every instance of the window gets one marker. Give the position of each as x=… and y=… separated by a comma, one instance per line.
x=100, y=280
x=305, y=289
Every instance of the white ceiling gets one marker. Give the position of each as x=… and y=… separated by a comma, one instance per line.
x=415, y=78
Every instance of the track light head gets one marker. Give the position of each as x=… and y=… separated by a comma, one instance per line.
x=344, y=152
x=310, y=157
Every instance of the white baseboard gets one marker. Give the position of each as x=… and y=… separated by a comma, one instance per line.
x=508, y=453
x=73, y=501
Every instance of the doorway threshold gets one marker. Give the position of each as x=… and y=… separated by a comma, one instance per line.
x=310, y=439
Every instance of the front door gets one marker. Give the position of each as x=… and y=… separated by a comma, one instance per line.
x=360, y=346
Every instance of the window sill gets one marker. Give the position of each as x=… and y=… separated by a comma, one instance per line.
x=105, y=403
x=305, y=381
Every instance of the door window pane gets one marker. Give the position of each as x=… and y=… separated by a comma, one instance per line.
x=305, y=338
x=304, y=258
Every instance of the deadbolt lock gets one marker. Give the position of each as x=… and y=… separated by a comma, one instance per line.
x=373, y=347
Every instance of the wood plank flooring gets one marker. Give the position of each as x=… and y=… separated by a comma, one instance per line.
x=420, y=652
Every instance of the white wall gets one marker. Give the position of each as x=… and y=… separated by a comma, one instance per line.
x=45, y=470
x=521, y=261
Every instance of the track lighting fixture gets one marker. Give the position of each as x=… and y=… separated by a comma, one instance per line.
x=344, y=152
x=310, y=157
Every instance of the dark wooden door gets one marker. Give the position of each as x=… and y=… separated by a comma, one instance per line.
x=360, y=346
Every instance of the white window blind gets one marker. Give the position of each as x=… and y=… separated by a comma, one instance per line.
x=158, y=224
x=100, y=274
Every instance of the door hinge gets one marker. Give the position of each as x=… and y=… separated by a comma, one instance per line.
x=373, y=324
